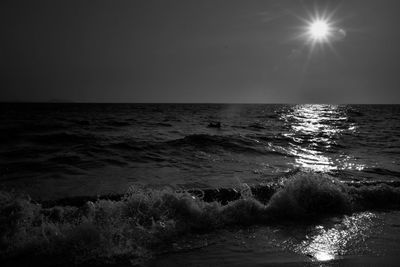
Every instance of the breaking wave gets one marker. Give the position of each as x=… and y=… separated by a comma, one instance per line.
x=132, y=227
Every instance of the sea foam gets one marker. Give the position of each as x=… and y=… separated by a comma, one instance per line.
x=145, y=221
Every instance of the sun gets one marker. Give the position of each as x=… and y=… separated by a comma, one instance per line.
x=319, y=30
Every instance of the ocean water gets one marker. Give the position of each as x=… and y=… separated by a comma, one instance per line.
x=80, y=149
x=335, y=163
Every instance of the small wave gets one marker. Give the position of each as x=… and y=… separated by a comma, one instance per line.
x=129, y=145
x=238, y=144
x=115, y=123
x=276, y=139
x=131, y=227
x=116, y=162
x=81, y=122
x=63, y=139
x=37, y=127
x=162, y=124
x=22, y=171
x=354, y=113
x=257, y=126
x=66, y=159
x=382, y=171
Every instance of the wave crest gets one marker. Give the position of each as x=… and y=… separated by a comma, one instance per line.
x=306, y=196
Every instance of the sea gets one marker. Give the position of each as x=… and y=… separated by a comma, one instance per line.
x=51, y=151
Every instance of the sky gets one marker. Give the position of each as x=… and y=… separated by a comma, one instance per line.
x=204, y=51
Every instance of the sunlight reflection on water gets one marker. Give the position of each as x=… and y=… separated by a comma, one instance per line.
x=328, y=243
x=315, y=131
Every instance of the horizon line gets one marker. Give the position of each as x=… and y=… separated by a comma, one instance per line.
x=190, y=103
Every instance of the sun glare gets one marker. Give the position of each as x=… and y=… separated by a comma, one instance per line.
x=319, y=30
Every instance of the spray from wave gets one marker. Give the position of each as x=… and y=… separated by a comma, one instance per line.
x=143, y=221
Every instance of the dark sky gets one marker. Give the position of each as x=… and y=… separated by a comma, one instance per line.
x=198, y=51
